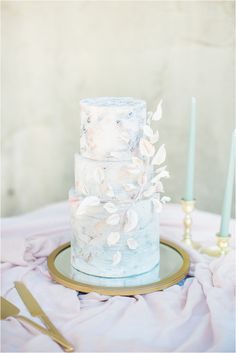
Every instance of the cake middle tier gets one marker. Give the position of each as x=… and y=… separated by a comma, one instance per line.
x=121, y=180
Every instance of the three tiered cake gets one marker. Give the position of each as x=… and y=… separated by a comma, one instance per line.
x=116, y=199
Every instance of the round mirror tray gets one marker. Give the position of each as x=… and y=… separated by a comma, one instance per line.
x=173, y=267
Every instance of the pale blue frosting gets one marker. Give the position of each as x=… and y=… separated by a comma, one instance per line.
x=151, y=276
x=113, y=102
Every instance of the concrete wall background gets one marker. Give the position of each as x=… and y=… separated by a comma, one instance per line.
x=54, y=53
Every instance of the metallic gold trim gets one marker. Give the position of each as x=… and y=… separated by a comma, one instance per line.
x=188, y=207
x=221, y=248
x=144, y=289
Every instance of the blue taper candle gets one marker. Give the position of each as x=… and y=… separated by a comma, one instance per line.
x=228, y=195
x=189, y=187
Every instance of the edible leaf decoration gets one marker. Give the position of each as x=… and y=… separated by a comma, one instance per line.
x=83, y=189
x=130, y=187
x=137, y=162
x=131, y=221
x=149, y=115
x=163, y=174
x=110, y=207
x=133, y=170
x=158, y=113
x=159, y=170
x=154, y=138
x=113, y=219
x=165, y=199
x=125, y=136
x=89, y=201
x=160, y=156
x=146, y=148
x=159, y=187
x=132, y=243
x=150, y=191
x=110, y=191
x=115, y=154
x=148, y=131
x=113, y=238
x=142, y=179
x=116, y=258
x=99, y=175
x=157, y=205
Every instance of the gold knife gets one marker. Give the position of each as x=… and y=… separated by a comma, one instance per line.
x=35, y=310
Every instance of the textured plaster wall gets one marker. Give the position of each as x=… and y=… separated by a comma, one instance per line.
x=54, y=53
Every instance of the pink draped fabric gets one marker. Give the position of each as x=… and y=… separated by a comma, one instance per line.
x=195, y=317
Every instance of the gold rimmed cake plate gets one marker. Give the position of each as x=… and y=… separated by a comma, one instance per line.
x=173, y=267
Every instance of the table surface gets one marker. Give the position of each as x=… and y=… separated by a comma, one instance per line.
x=194, y=316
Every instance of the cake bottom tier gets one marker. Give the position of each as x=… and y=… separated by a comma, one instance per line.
x=114, y=239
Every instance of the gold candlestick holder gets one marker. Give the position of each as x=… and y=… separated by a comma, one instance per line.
x=188, y=207
x=222, y=247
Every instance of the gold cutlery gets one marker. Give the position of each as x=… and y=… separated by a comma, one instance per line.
x=35, y=310
x=8, y=309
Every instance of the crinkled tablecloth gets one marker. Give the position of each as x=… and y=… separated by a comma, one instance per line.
x=195, y=317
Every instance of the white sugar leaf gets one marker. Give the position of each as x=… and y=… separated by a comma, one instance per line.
x=116, y=258
x=160, y=156
x=115, y=154
x=130, y=187
x=163, y=174
x=132, y=243
x=158, y=113
x=125, y=136
x=133, y=170
x=137, y=162
x=159, y=170
x=110, y=207
x=100, y=226
x=89, y=201
x=165, y=199
x=83, y=189
x=155, y=179
x=113, y=238
x=146, y=148
x=147, y=131
x=113, y=219
x=149, y=117
x=99, y=175
x=110, y=191
x=157, y=205
x=159, y=187
x=149, y=114
x=150, y=191
x=142, y=179
x=154, y=138
x=131, y=221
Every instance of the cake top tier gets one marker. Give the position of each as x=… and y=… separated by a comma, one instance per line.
x=111, y=127
x=113, y=102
